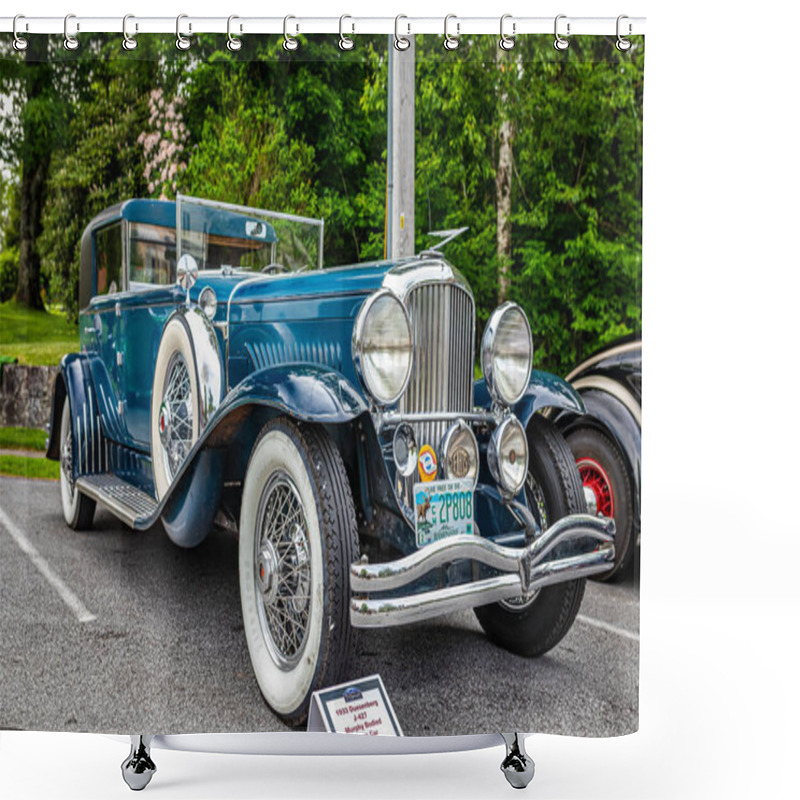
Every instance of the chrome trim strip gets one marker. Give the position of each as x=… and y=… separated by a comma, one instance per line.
x=386, y=577
x=391, y=419
x=365, y=613
x=615, y=390
x=602, y=356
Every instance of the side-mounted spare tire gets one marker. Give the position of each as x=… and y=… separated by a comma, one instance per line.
x=187, y=389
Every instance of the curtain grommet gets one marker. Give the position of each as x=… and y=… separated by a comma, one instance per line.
x=20, y=43
x=128, y=42
x=560, y=42
x=182, y=42
x=345, y=42
x=290, y=44
x=70, y=42
x=507, y=42
x=451, y=42
x=401, y=43
x=234, y=43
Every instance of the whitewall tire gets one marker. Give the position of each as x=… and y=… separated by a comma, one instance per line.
x=78, y=509
x=174, y=407
x=297, y=539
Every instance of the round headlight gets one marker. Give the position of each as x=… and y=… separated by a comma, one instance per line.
x=507, y=354
x=507, y=455
x=382, y=347
x=459, y=452
x=208, y=302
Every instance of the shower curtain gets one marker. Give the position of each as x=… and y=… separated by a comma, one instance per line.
x=534, y=150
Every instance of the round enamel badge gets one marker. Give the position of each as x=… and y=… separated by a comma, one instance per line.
x=427, y=463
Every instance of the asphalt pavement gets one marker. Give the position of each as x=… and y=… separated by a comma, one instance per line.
x=163, y=650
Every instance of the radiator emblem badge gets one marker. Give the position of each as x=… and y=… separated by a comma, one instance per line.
x=427, y=463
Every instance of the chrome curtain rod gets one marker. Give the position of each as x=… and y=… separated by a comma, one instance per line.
x=349, y=25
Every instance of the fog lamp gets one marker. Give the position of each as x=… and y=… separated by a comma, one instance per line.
x=507, y=455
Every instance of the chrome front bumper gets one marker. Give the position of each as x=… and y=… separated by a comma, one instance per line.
x=524, y=570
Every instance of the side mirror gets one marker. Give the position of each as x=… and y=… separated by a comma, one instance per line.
x=187, y=273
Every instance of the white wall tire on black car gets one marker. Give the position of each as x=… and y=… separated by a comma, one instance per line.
x=174, y=407
x=78, y=509
x=297, y=539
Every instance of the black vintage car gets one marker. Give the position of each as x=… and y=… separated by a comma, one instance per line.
x=607, y=440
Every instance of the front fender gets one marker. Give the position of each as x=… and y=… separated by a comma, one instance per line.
x=308, y=392
x=545, y=390
x=89, y=450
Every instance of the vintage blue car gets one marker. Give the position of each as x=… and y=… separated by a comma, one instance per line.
x=330, y=417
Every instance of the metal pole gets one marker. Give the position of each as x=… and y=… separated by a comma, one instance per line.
x=400, y=152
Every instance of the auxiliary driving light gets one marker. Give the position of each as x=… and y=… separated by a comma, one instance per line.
x=405, y=450
x=507, y=455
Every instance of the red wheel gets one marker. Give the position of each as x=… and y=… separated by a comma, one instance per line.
x=607, y=489
x=596, y=488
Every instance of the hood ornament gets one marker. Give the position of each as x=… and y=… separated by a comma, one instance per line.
x=446, y=236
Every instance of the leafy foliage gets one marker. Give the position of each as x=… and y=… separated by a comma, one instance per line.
x=306, y=133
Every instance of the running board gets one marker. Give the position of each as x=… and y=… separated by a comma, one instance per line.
x=124, y=500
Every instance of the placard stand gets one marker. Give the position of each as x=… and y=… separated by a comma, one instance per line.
x=138, y=768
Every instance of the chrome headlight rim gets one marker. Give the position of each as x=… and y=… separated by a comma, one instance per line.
x=494, y=458
x=488, y=353
x=459, y=427
x=358, y=346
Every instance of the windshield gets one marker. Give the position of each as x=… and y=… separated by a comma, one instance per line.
x=220, y=235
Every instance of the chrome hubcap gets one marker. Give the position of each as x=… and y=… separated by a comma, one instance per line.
x=283, y=570
x=176, y=415
x=591, y=501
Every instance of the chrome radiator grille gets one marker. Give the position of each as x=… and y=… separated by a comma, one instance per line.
x=443, y=325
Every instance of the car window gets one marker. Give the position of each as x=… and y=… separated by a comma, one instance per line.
x=151, y=254
x=108, y=259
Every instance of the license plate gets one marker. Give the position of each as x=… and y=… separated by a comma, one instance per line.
x=441, y=509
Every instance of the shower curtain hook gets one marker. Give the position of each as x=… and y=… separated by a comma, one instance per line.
x=234, y=43
x=290, y=44
x=623, y=44
x=128, y=42
x=70, y=42
x=560, y=43
x=451, y=42
x=19, y=43
x=181, y=42
x=401, y=42
x=345, y=42
x=507, y=42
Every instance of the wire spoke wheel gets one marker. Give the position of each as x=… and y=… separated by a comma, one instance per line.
x=283, y=570
x=175, y=423
x=536, y=502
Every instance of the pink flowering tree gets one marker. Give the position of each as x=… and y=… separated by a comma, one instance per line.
x=164, y=144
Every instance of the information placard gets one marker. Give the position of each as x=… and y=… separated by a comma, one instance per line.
x=360, y=707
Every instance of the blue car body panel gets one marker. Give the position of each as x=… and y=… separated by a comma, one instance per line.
x=286, y=345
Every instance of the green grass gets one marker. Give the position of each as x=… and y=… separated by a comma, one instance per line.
x=22, y=439
x=24, y=467
x=37, y=338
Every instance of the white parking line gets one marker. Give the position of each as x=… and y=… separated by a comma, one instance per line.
x=606, y=626
x=75, y=605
